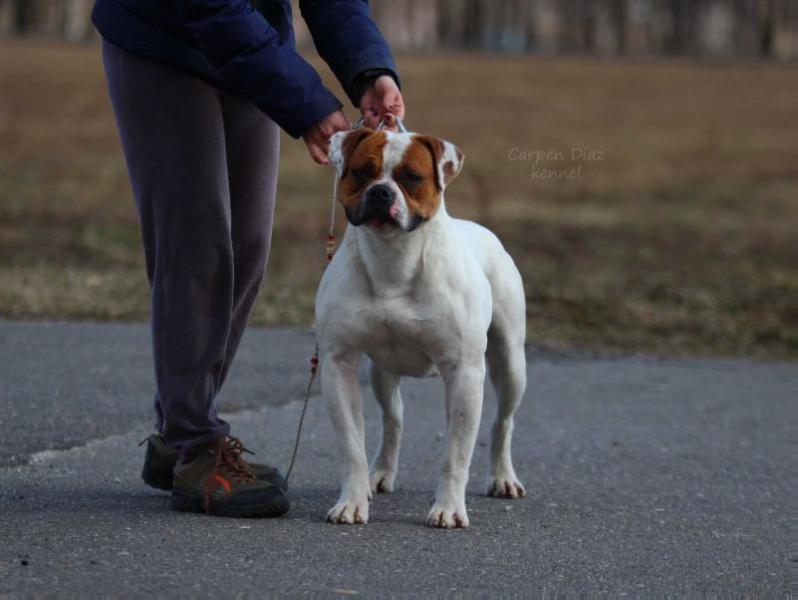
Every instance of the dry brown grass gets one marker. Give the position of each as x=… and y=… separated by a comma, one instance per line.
x=682, y=239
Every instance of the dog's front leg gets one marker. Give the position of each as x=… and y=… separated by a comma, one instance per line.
x=341, y=391
x=386, y=390
x=464, y=389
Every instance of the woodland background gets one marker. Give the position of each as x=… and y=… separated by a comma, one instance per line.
x=676, y=233
x=709, y=28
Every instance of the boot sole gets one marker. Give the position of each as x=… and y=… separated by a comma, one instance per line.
x=196, y=504
x=159, y=483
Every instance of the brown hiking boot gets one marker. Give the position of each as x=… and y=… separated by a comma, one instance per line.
x=160, y=461
x=218, y=481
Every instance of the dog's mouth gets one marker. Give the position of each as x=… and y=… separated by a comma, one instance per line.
x=382, y=221
x=377, y=217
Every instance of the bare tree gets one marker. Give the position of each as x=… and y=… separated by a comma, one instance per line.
x=742, y=28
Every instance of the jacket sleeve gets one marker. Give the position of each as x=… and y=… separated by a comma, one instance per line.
x=347, y=39
x=250, y=54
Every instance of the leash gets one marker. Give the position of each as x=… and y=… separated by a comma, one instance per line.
x=330, y=251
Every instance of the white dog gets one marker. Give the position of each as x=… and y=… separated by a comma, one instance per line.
x=418, y=292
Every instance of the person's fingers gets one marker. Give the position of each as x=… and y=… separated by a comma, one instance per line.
x=321, y=154
x=328, y=131
x=320, y=157
x=389, y=115
x=324, y=145
x=325, y=129
x=386, y=104
x=391, y=107
x=367, y=108
x=339, y=121
x=393, y=104
x=400, y=107
x=389, y=122
x=334, y=123
x=371, y=117
x=317, y=154
x=382, y=103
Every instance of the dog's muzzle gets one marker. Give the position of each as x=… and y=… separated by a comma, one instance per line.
x=378, y=207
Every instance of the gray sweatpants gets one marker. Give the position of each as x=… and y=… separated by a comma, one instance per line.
x=203, y=164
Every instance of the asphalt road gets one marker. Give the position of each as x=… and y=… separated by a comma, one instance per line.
x=644, y=476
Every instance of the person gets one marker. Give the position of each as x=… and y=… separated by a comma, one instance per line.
x=199, y=89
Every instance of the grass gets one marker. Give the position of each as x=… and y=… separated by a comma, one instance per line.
x=678, y=236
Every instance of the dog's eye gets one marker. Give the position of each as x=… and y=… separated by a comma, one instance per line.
x=361, y=175
x=411, y=179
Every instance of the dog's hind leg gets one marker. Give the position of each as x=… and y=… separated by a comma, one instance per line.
x=341, y=391
x=386, y=390
x=507, y=367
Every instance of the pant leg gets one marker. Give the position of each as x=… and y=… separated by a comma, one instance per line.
x=253, y=146
x=172, y=130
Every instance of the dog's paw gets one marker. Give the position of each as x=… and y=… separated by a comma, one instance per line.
x=349, y=513
x=506, y=487
x=447, y=517
x=382, y=482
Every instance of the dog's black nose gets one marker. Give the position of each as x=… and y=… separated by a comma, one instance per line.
x=380, y=195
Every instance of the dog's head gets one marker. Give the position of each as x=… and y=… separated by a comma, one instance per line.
x=392, y=181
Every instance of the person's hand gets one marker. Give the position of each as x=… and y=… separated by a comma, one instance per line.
x=317, y=138
x=382, y=101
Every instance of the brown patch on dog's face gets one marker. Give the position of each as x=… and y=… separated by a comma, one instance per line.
x=393, y=180
x=363, y=157
x=416, y=175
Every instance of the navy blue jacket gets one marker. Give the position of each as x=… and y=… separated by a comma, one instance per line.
x=247, y=47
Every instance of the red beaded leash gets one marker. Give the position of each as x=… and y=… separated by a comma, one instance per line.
x=314, y=360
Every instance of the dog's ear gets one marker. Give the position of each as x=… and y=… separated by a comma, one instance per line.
x=447, y=158
x=342, y=144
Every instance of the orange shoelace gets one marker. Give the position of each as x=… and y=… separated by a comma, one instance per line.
x=229, y=464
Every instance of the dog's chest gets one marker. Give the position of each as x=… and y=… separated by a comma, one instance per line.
x=401, y=336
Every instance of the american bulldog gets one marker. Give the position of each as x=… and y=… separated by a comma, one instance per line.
x=419, y=293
